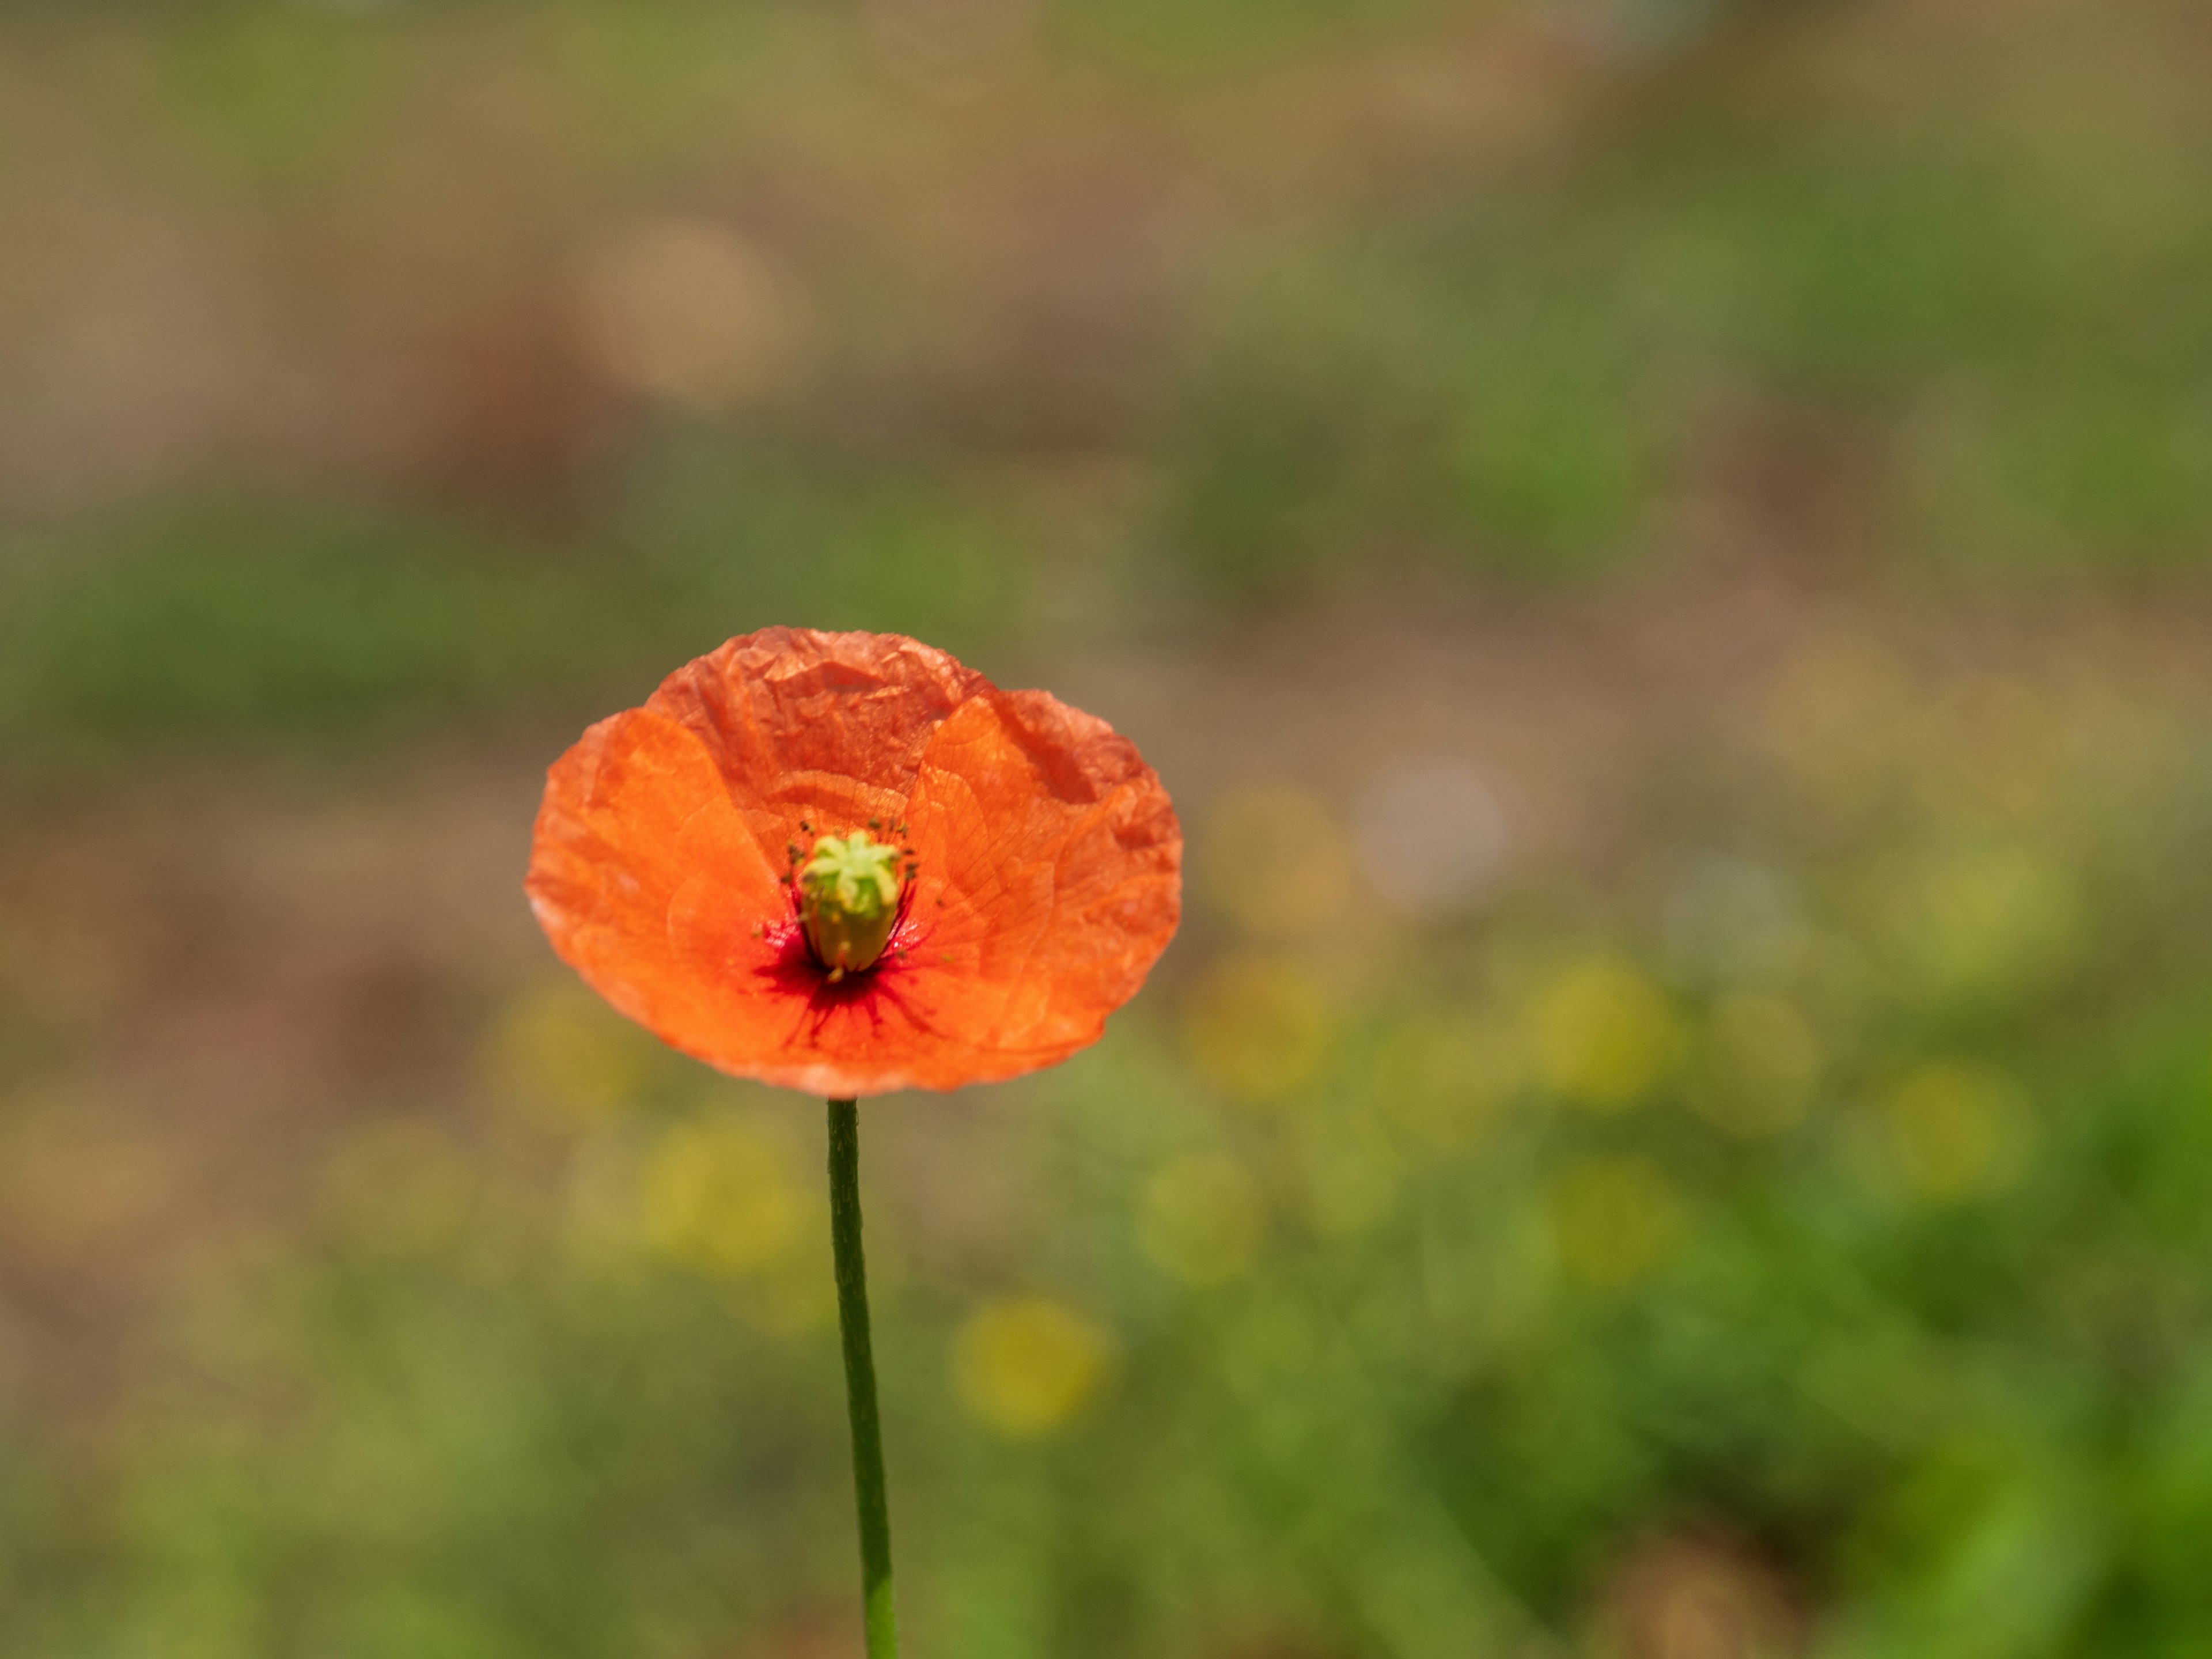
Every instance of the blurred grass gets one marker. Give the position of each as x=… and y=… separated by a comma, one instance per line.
x=250, y=616
x=1532, y=369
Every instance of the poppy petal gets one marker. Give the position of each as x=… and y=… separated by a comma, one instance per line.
x=1050, y=873
x=637, y=829
x=1048, y=882
x=826, y=726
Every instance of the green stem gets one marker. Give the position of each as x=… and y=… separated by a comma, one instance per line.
x=860, y=1380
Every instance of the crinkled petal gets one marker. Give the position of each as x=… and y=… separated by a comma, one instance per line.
x=638, y=830
x=829, y=727
x=1050, y=875
x=1049, y=865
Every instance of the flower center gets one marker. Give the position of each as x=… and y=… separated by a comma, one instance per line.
x=849, y=900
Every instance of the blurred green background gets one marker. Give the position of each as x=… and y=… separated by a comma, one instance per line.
x=1664, y=548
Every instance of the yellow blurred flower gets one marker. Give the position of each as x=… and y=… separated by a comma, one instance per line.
x=1957, y=1131
x=562, y=1050
x=1978, y=921
x=1277, y=860
x=1605, y=1033
x=1613, y=1219
x=1201, y=1218
x=1256, y=1028
x=1026, y=1365
x=721, y=1194
x=1757, y=1066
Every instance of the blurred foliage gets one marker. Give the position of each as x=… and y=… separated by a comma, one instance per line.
x=230, y=618
x=1886, y=1278
x=1534, y=361
x=1790, y=1238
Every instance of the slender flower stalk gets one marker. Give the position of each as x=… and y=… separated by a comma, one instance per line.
x=881, y=1617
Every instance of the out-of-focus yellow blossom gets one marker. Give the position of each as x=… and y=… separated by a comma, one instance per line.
x=1443, y=1082
x=1613, y=1219
x=1605, y=1033
x=1757, y=1066
x=1277, y=860
x=560, y=1049
x=1026, y=1365
x=1957, y=1131
x=1257, y=1028
x=1201, y=1218
x=721, y=1194
x=1977, y=921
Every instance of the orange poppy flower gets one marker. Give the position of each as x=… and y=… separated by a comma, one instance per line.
x=845, y=863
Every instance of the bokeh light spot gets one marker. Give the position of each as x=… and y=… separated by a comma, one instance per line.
x=1431, y=839
x=690, y=311
x=1613, y=1219
x=1757, y=1066
x=1977, y=922
x=1026, y=1365
x=1688, y=1596
x=1730, y=921
x=1605, y=1033
x=1957, y=1130
x=721, y=1195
